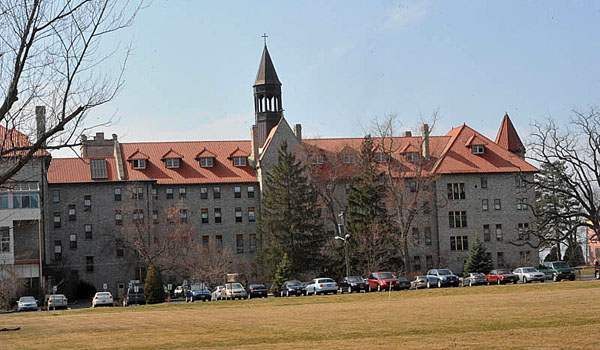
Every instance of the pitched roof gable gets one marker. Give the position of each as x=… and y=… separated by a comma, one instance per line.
x=475, y=140
x=12, y=138
x=205, y=153
x=238, y=153
x=507, y=136
x=138, y=155
x=171, y=155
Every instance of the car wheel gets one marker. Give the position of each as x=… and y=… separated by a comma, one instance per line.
x=525, y=279
x=572, y=278
x=543, y=280
x=379, y=287
x=439, y=284
x=470, y=283
x=516, y=281
x=499, y=281
x=349, y=290
x=555, y=278
x=370, y=289
x=487, y=282
x=287, y=293
x=428, y=284
x=281, y=294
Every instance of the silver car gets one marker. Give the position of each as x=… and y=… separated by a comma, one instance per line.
x=218, y=293
x=57, y=301
x=321, y=286
x=528, y=274
x=235, y=291
x=27, y=303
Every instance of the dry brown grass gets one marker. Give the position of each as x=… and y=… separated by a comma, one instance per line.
x=548, y=316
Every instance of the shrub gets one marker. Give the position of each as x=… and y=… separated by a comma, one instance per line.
x=282, y=274
x=155, y=292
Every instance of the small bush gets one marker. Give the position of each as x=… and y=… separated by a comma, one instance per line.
x=155, y=292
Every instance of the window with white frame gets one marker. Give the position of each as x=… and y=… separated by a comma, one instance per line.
x=412, y=157
x=349, y=158
x=139, y=163
x=117, y=194
x=478, y=149
x=522, y=204
x=237, y=192
x=523, y=229
x=317, y=159
x=87, y=231
x=206, y=162
x=484, y=205
x=239, y=161
x=499, y=235
x=55, y=196
x=456, y=191
x=5, y=239
x=137, y=192
x=3, y=200
x=182, y=193
x=26, y=200
x=73, y=241
x=203, y=193
x=250, y=191
x=497, y=204
x=251, y=214
x=172, y=163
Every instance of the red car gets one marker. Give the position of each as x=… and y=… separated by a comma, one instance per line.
x=501, y=276
x=380, y=281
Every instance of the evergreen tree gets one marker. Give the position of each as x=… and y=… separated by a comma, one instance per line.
x=552, y=256
x=372, y=241
x=282, y=274
x=574, y=255
x=478, y=260
x=289, y=221
x=155, y=292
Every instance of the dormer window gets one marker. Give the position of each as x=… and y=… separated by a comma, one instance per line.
x=139, y=163
x=239, y=161
x=349, y=158
x=380, y=157
x=206, y=162
x=412, y=157
x=172, y=163
x=317, y=160
x=478, y=149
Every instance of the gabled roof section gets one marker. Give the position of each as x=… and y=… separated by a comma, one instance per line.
x=205, y=153
x=409, y=148
x=238, y=153
x=12, y=138
x=137, y=155
x=475, y=140
x=266, y=71
x=171, y=154
x=507, y=137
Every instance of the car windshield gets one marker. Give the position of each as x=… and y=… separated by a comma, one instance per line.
x=257, y=286
x=103, y=294
x=478, y=275
x=560, y=265
x=355, y=279
x=504, y=272
x=57, y=297
x=445, y=272
x=198, y=287
x=529, y=269
x=236, y=286
x=294, y=283
x=385, y=275
x=325, y=280
x=27, y=299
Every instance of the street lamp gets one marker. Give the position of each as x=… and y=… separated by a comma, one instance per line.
x=345, y=240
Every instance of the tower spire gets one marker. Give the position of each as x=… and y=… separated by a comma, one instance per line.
x=265, y=36
x=267, y=96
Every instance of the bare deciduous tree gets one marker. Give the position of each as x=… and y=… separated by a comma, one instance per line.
x=10, y=285
x=52, y=55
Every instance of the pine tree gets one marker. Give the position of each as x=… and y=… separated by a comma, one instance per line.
x=574, y=255
x=155, y=292
x=478, y=260
x=289, y=221
x=372, y=242
x=282, y=274
x=552, y=256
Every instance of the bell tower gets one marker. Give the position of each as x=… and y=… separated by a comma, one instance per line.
x=267, y=97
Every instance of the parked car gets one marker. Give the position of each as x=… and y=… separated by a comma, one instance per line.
x=443, y=278
x=134, y=296
x=501, y=276
x=27, y=303
x=529, y=274
x=321, y=286
x=234, y=291
x=353, y=284
x=102, y=298
x=403, y=283
x=419, y=282
x=197, y=292
x=381, y=281
x=257, y=290
x=218, y=293
x=292, y=287
x=178, y=292
x=557, y=270
x=473, y=279
x=57, y=301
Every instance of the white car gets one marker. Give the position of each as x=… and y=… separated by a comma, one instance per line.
x=57, y=301
x=218, y=293
x=27, y=303
x=102, y=298
x=321, y=286
x=528, y=274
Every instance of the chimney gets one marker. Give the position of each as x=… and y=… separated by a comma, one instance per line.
x=84, y=146
x=254, y=143
x=99, y=136
x=425, y=146
x=40, y=119
x=298, y=132
x=407, y=133
x=118, y=157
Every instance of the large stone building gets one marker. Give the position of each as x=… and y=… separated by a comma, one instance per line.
x=216, y=186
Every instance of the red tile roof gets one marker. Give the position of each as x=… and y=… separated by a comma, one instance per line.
x=75, y=170
x=138, y=155
x=171, y=155
x=507, y=137
x=10, y=139
x=238, y=153
x=189, y=170
x=205, y=153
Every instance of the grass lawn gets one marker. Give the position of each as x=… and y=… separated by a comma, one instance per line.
x=543, y=315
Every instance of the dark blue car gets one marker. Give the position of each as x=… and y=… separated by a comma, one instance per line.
x=197, y=292
x=293, y=287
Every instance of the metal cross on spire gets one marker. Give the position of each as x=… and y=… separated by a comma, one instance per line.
x=265, y=36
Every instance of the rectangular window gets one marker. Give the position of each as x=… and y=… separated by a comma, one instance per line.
x=56, y=196
x=429, y=262
x=252, y=242
x=118, y=218
x=5, y=239
x=237, y=192
x=523, y=229
x=26, y=200
x=238, y=214
x=139, y=164
x=251, y=214
x=347, y=188
x=484, y=182
x=169, y=192
x=117, y=194
x=216, y=192
x=417, y=263
x=57, y=250
x=239, y=243
x=183, y=215
x=155, y=216
x=380, y=157
x=427, y=235
x=73, y=241
x=484, y=205
x=89, y=264
x=204, y=215
x=154, y=193
x=87, y=230
x=172, y=163
x=203, y=193
x=170, y=217
x=72, y=213
x=478, y=149
x=499, y=235
x=239, y=161
x=206, y=162
x=250, y=191
x=56, y=219
x=415, y=235
x=3, y=201
x=458, y=243
x=497, y=204
x=217, y=215
x=412, y=185
x=456, y=191
x=317, y=160
x=205, y=241
x=87, y=202
x=412, y=157
x=137, y=193
x=500, y=259
x=349, y=158
x=219, y=240
x=138, y=215
x=457, y=219
x=182, y=193
x=486, y=233
x=522, y=204
x=518, y=181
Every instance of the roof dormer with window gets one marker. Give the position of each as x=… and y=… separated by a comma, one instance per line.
x=172, y=159
x=476, y=143
x=206, y=158
x=410, y=153
x=239, y=157
x=138, y=160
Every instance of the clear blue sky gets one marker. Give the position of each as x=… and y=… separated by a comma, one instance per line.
x=344, y=62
